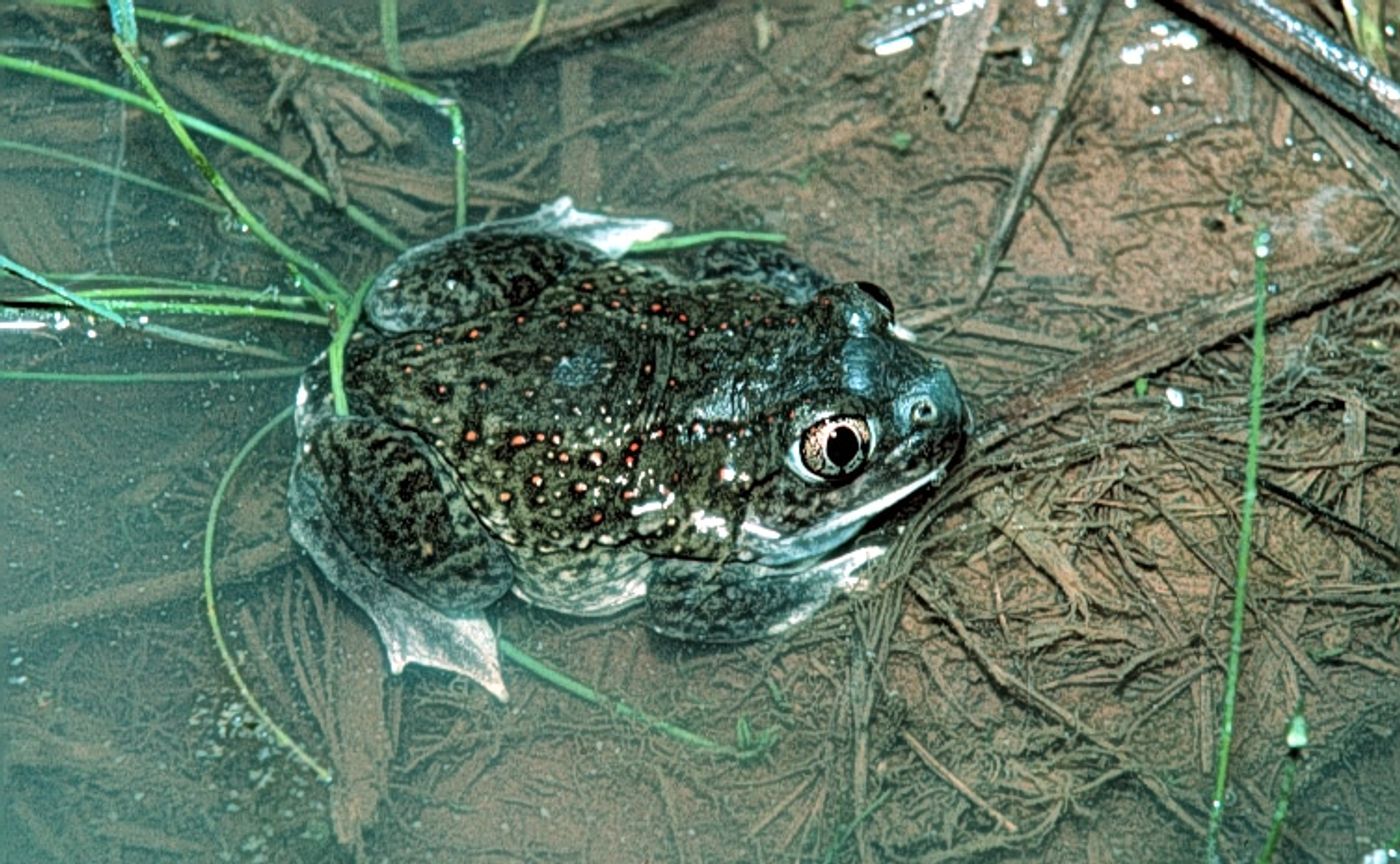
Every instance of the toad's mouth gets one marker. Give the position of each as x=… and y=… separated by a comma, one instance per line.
x=773, y=548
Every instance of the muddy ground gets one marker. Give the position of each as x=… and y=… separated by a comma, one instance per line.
x=1039, y=675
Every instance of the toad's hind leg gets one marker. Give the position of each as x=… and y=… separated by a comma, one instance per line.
x=386, y=523
x=709, y=602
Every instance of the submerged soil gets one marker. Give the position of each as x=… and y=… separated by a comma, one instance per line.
x=1038, y=674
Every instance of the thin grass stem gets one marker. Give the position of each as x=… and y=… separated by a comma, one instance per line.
x=147, y=291
x=1262, y=241
x=443, y=105
x=218, y=133
x=685, y=241
x=102, y=168
x=326, y=288
x=1297, y=739
x=217, y=310
x=17, y=269
x=123, y=14
x=582, y=691
x=212, y=610
x=389, y=35
x=152, y=377
x=532, y=32
x=335, y=353
x=847, y=832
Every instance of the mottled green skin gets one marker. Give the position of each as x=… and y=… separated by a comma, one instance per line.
x=526, y=413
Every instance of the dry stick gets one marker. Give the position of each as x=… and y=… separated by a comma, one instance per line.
x=1377, y=546
x=494, y=42
x=868, y=659
x=1144, y=346
x=1354, y=447
x=982, y=846
x=1010, y=518
x=245, y=565
x=1042, y=135
x=1330, y=70
x=1165, y=696
x=956, y=782
x=777, y=809
x=532, y=32
x=1009, y=682
x=1300, y=658
x=962, y=42
x=325, y=287
x=812, y=814
x=579, y=155
x=1152, y=343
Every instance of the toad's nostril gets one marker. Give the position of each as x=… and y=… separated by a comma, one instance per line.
x=923, y=412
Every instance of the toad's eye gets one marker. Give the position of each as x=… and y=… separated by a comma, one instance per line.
x=834, y=447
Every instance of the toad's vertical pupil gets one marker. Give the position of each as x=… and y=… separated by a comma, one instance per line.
x=842, y=446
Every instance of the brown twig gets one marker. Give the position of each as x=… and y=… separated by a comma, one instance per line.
x=494, y=42
x=1152, y=343
x=1367, y=158
x=953, y=780
x=1360, y=536
x=957, y=59
x=1040, y=136
x=243, y=566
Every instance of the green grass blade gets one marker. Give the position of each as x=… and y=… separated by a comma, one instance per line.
x=685, y=241
x=218, y=133
x=123, y=14
x=532, y=32
x=151, y=377
x=1262, y=240
x=102, y=168
x=335, y=354
x=1297, y=740
x=18, y=269
x=326, y=280
x=216, y=310
x=213, y=343
x=443, y=105
x=211, y=608
x=144, y=289
x=759, y=743
x=389, y=35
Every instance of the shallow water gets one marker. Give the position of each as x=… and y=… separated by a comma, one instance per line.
x=1087, y=722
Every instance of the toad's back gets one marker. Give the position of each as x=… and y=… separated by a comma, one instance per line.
x=572, y=418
